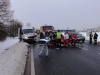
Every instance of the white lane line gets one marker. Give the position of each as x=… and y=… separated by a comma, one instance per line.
x=98, y=53
x=32, y=62
x=83, y=48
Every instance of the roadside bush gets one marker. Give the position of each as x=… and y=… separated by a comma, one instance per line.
x=5, y=17
x=3, y=33
x=13, y=28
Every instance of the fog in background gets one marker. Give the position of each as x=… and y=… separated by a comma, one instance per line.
x=74, y=14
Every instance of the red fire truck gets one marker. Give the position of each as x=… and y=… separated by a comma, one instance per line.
x=46, y=28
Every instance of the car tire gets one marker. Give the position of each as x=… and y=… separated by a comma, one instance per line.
x=24, y=40
x=82, y=41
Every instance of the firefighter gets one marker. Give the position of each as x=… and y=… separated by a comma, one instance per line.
x=38, y=31
x=41, y=35
x=90, y=37
x=95, y=38
x=58, y=35
x=55, y=33
x=46, y=34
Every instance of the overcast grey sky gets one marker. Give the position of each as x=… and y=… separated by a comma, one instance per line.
x=75, y=14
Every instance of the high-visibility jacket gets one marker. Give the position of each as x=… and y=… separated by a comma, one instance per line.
x=90, y=35
x=58, y=35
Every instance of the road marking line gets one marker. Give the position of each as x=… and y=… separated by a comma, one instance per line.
x=32, y=62
x=98, y=53
x=83, y=48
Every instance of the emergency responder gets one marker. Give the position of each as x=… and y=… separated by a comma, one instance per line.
x=41, y=35
x=58, y=35
x=46, y=34
x=66, y=38
x=74, y=37
x=90, y=37
x=52, y=37
x=69, y=37
x=95, y=38
x=55, y=33
x=62, y=41
x=38, y=31
x=67, y=31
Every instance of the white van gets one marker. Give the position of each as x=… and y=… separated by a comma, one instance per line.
x=27, y=34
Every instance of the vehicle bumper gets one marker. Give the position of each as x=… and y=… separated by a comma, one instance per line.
x=29, y=40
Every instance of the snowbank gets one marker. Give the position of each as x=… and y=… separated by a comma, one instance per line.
x=12, y=62
x=7, y=43
x=85, y=34
x=87, y=37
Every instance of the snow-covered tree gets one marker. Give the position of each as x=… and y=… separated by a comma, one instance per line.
x=3, y=33
x=5, y=17
x=5, y=12
x=13, y=28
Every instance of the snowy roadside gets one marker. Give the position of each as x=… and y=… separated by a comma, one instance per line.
x=12, y=61
x=7, y=43
x=87, y=37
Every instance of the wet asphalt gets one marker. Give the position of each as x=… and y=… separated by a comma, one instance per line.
x=68, y=61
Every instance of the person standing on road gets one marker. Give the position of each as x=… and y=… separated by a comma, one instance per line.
x=74, y=37
x=58, y=35
x=66, y=38
x=90, y=37
x=95, y=38
x=41, y=35
x=52, y=37
x=55, y=33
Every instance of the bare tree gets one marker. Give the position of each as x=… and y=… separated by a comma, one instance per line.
x=5, y=12
x=3, y=33
x=13, y=28
x=5, y=17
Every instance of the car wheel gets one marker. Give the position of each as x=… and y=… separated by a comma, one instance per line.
x=82, y=41
x=24, y=40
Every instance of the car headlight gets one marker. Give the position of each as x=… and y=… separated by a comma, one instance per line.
x=26, y=37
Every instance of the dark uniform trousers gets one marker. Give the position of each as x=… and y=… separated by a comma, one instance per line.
x=59, y=43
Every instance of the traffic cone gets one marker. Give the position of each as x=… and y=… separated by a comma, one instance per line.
x=99, y=43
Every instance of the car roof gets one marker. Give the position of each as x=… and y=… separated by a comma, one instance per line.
x=27, y=28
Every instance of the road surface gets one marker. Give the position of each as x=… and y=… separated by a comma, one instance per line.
x=68, y=61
